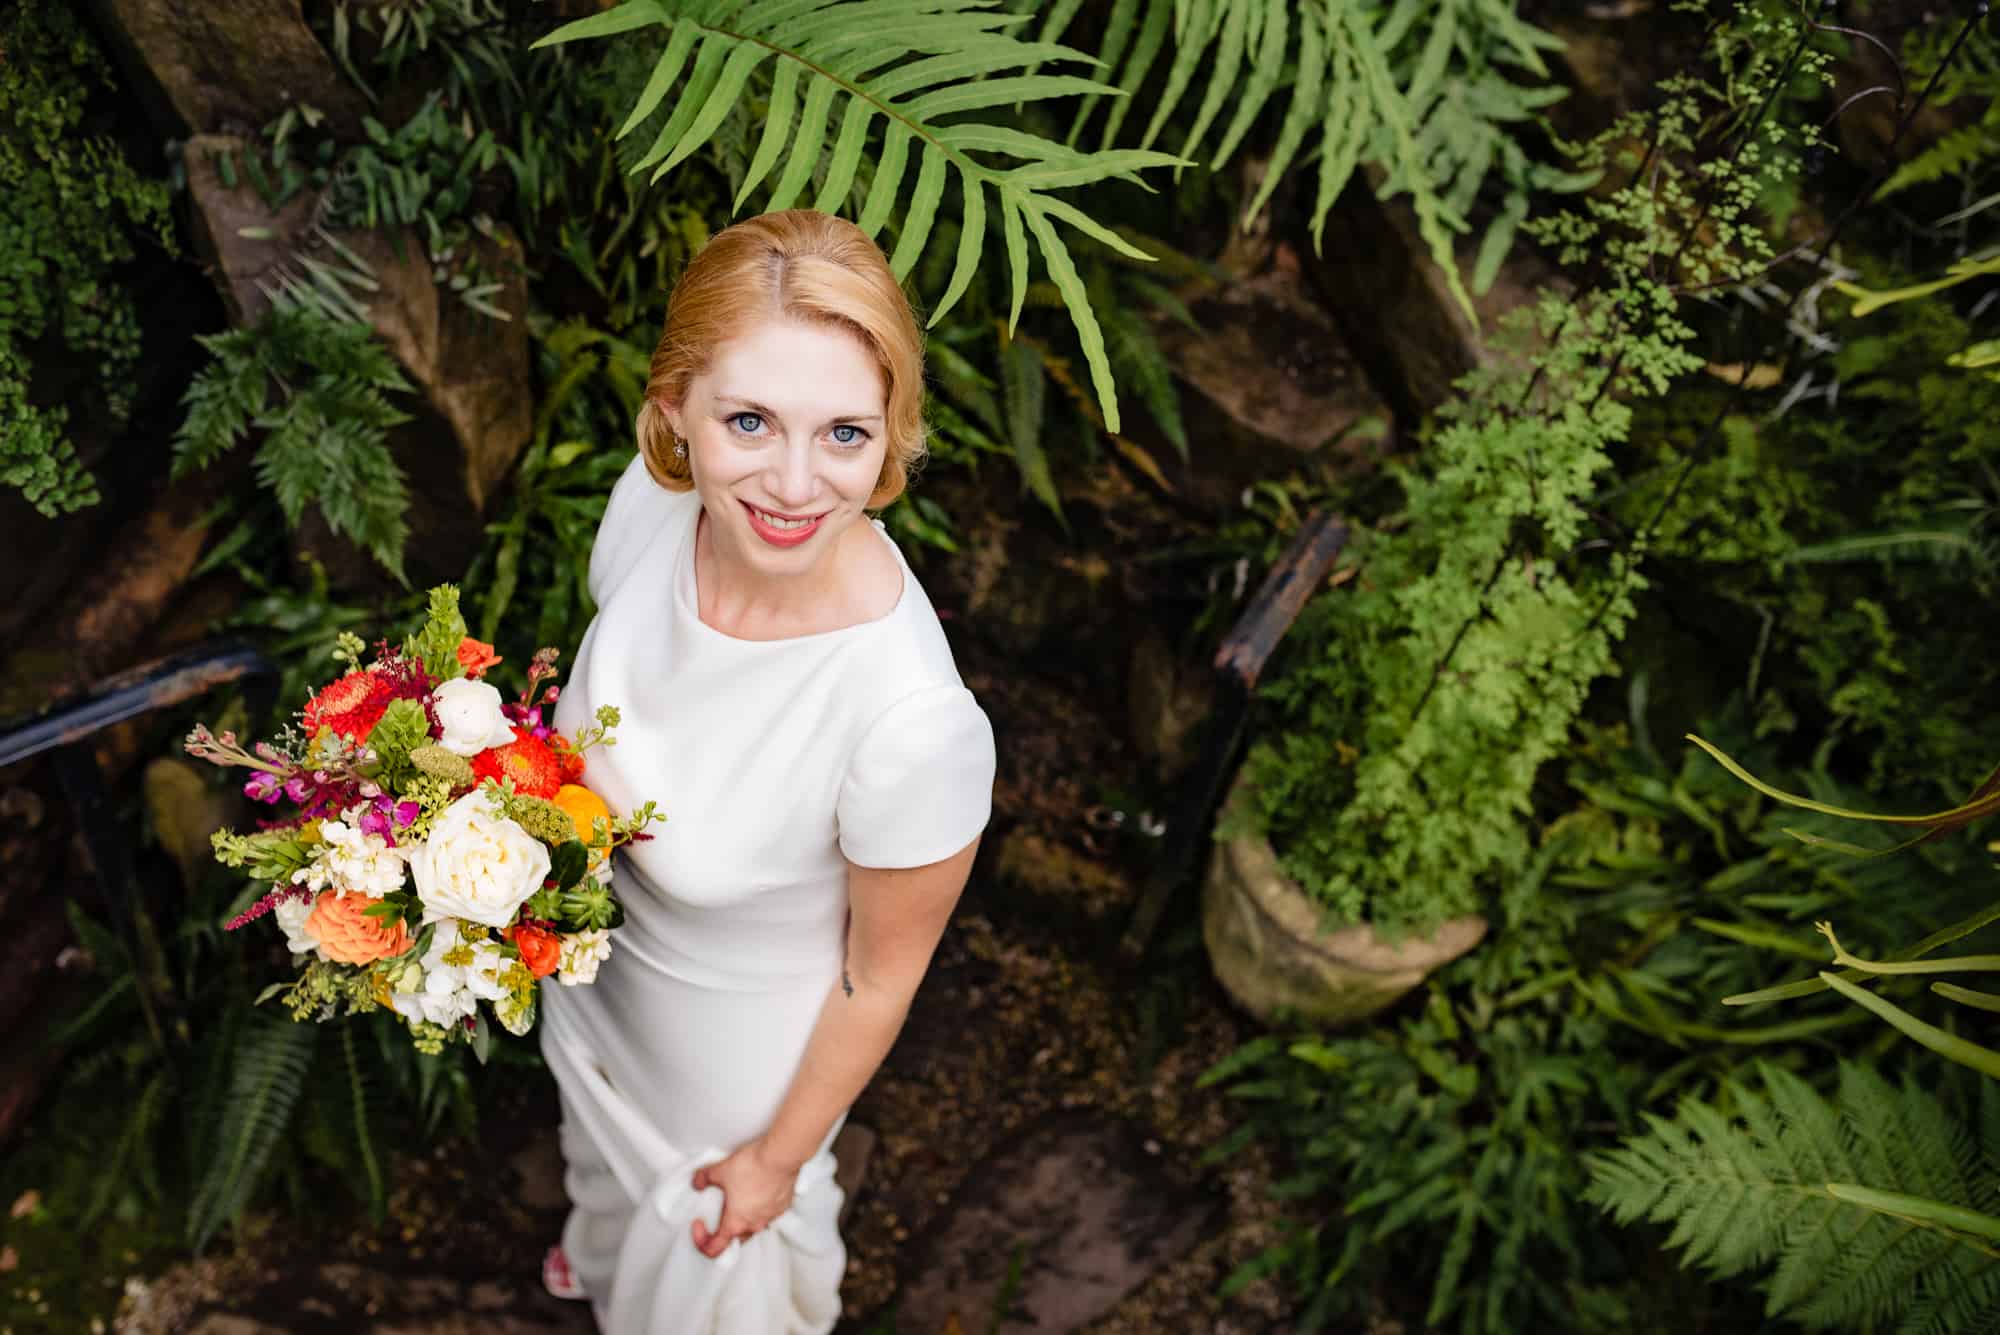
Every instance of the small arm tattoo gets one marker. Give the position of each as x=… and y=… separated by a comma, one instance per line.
x=846, y=983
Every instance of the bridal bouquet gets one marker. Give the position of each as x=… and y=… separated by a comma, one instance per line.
x=440, y=851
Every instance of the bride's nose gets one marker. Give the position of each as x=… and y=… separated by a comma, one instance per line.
x=792, y=482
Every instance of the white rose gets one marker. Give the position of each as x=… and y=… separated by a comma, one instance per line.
x=291, y=915
x=470, y=713
x=477, y=864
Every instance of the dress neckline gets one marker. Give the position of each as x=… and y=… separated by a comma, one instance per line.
x=687, y=592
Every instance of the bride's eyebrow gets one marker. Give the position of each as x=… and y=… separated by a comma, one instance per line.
x=752, y=406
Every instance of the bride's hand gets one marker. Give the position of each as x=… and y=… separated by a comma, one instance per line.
x=755, y=1191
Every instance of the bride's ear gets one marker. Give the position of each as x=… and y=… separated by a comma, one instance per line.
x=670, y=412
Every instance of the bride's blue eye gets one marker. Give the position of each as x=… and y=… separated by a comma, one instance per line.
x=856, y=436
x=747, y=423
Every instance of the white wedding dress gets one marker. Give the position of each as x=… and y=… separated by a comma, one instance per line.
x=776, y=762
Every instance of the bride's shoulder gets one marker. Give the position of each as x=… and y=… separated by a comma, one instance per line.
x=638, y=511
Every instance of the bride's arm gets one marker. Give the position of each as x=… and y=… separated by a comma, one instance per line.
x=895, y=917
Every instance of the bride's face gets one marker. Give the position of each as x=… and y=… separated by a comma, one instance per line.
x=786, y=437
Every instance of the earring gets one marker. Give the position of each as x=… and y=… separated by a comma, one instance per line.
x=680, y=448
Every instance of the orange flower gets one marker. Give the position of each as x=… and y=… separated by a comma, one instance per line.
x=351, y=706
x=540, y=950
x=582, y=807
x=529, y=763
x=348, y=935
x=475, y=656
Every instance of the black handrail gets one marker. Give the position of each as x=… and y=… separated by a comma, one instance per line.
x=160, y=684
x=1299, y=573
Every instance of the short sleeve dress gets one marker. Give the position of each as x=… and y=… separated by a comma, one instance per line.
x=776, y=762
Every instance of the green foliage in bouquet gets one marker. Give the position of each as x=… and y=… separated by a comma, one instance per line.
x=1420, y=702
x=72, y=210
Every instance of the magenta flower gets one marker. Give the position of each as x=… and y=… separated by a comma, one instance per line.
x=263, y=787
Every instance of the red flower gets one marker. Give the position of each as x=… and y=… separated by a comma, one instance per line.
x=529, y=763
x=541, y=950
x=568, y=759
x=351, y=706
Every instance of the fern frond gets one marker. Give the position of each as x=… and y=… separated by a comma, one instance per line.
x=360, y=1111
x=265, y=1081
x=1749, y=1189
x=916, y=66
x=325, y=431
x=1956, y=153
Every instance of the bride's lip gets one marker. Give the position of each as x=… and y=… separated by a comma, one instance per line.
x=780, y=514
x=781, y=537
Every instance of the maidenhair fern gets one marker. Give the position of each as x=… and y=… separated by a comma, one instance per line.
x=71, y=211
x=1880, y=1211
x=318, y=389
x=919, y=66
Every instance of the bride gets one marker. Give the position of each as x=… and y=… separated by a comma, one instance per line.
x=789, y=700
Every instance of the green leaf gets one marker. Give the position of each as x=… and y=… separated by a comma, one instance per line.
x=1918, y=1210
x=568, y=862
x=715, y=102
x=805, y=145
x=846, y=158
x=777, y=127
x=888, y=178
x=1950, y=1046
x=1056, y=256
x=631, y=15
x=971, y=239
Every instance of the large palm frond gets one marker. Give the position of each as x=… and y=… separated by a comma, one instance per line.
x=922, y=67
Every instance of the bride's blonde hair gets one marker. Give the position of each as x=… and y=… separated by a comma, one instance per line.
x=803, y=265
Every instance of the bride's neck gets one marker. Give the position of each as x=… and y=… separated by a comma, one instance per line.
x=739, y=600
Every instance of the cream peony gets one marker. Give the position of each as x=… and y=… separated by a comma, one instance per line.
x=470, y=713
x=477, y=864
